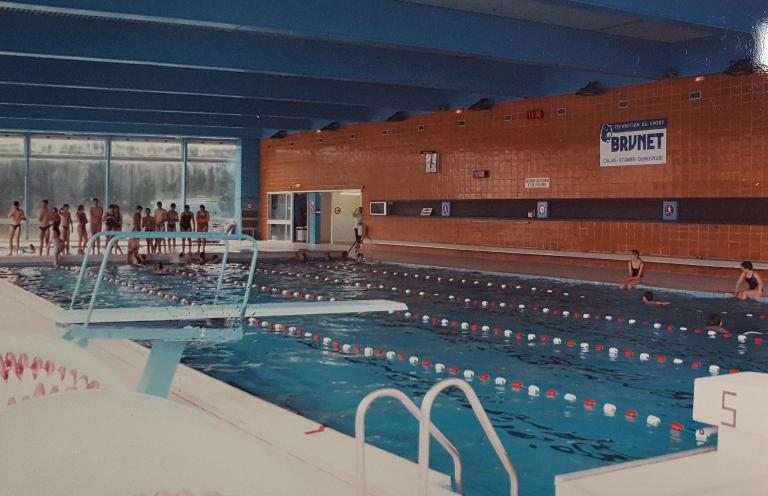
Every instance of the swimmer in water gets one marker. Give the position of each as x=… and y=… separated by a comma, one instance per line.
x=635, y=269
x=715, y=323
x=161, y=271
x=648, y=300
x=301, y=257
x=360, y=258
x=753, y=280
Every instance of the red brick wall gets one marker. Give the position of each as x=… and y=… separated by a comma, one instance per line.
x=717, y=147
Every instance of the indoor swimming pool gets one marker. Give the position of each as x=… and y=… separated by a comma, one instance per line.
x=569, y=372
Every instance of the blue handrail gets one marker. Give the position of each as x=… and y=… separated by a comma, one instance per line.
x=118, y=235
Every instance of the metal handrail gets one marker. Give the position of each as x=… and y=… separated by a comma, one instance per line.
x=118, y=235
x=425, y=427
x=362, y=408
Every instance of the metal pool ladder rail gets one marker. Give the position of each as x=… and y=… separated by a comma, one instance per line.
x=426, y=428
x=362, y=408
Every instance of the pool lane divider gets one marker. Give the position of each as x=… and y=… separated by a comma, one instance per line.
x=543, y=340
x=328, y=344
x=475, y=285
x=504, y=306
x=584, y=347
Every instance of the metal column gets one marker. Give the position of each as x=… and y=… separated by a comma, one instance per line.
x=108, y=175
x=27, y=205
x=184, y=155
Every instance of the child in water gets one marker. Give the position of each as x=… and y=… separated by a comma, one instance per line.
x=648, y=300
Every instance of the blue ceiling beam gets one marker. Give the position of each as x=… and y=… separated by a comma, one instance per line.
x=95, y=40
x=134, y=100
x=150, y=117
x=388, y=23
x=202, y=82
x=122, y=128
x=708, y=55
x=736, y=16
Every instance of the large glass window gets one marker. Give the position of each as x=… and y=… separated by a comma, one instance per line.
x=63, y=181
x=73, y=169
x=161, y=149
x=11, y=181
x=211, y=179
x=144, y=183
x=67, y=146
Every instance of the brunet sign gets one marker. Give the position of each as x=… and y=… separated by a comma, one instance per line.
x=633, y=143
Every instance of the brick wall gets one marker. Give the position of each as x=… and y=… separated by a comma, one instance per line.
x=717, y=147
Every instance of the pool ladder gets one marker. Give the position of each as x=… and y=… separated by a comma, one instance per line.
x=427, y=428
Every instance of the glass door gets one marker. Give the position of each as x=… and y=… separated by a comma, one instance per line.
x=280, y=216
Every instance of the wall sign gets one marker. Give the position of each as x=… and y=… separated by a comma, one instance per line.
x=669, y=210
x=430, y=162
x=536, y=182
x=633, y=143
x=542, y=210
x=337, y=210
x=426, y=212
x=535, y=114
x=445, y=209
x=312, y=209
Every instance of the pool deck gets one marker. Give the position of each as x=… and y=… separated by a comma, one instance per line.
x=324, y=461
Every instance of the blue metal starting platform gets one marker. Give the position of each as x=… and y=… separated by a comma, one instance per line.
x=169, y=328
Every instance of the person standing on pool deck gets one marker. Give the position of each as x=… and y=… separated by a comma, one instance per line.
x=753, y=280
x=44, y=224
x=635, y=267
x=137, y=218
x=201, y=219
x=357, y=215
x=66, y=228
x=173, y=218
x=82, y=231
x=56, y=241
x=185, y=225
x=161, y=217
x=148, y=224
x=17, y=217
x=96, y=214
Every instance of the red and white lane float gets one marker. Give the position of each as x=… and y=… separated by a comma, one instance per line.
x=141, y=288
x=330, y=345
x=554, y=312
x=37, y=366
x=486, y=331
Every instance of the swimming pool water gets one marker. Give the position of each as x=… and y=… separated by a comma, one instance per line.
x=544, y=436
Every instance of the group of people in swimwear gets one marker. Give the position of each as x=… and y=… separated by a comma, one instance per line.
x=748, y=276
x=55, y=225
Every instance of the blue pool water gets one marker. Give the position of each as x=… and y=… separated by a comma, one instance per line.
x=544, y=436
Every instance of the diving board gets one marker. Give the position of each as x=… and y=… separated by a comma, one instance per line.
x=225, y=311
x=183, y=323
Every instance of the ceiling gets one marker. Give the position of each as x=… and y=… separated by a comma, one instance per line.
x=248, y=69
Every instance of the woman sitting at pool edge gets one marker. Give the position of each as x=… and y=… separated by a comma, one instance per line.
x=635, y=267
x=753, y=280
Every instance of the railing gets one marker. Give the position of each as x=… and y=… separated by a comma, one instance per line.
x=427, y=429
x=482, y=417
x=118, y=235
x=362, y=408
